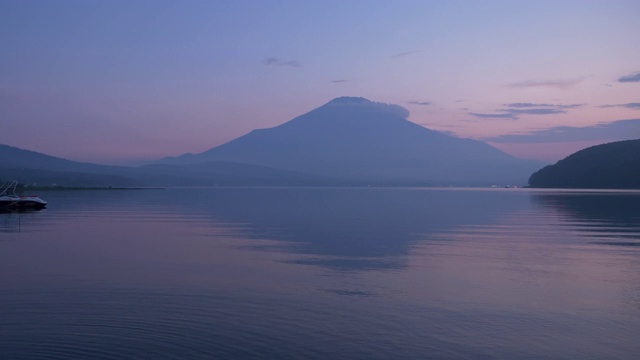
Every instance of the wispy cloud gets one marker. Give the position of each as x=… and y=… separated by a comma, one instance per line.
x=526, y=105
x=513, y=110
x=495, y=116
x=405, y=53
x=274, y=61
x=635, y=77
x=423, y=103
x=558, y=83
x=541, y=111
x=613, y=131
x=554, y=106
x=340, y=81
x=635, y=106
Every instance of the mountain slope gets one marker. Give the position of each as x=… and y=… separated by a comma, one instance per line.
x=222, y=173
x=31, y=167
x=356, y=139
x=13, y=157
x=35, y=168
x=608, y=166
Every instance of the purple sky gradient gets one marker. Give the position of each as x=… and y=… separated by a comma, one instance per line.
x=118, y=81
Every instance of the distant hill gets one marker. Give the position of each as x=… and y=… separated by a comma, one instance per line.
x=354, y=139
x=31, y=167
x=609, y=166
x=13, y=157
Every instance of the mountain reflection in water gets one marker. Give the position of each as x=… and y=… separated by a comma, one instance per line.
x=317, y=273
x=355, y=229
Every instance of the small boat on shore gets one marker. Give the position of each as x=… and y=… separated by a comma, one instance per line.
x=9, y=200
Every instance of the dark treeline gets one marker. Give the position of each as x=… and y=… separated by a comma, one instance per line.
x=608, y=166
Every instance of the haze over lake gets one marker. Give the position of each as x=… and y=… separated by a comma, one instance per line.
x=369, y=273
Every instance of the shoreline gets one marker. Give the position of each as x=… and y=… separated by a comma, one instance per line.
x=74, y=188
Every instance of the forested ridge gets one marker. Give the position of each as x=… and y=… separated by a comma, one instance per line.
x=609, y=166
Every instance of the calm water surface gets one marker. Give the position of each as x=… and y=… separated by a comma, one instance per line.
x=316, y=273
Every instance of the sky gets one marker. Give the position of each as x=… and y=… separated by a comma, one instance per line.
x=129, y=81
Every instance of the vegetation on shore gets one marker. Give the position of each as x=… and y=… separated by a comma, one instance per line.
x=609, y=166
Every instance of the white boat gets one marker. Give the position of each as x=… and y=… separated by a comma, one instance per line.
x=10, y=201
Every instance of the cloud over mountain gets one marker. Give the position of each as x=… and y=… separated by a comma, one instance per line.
x=363, y=103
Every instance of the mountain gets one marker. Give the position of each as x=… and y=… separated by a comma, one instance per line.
x=355, y=139
x=609, y=166
x=222, y=173
x=13, y=157
x=31, y=167
x=35, y=168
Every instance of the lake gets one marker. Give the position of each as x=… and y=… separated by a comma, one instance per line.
x=322, y=273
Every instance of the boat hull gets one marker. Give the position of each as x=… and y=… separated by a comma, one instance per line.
x=21, y=204
x=10, y=201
